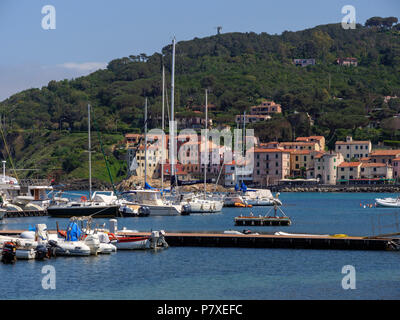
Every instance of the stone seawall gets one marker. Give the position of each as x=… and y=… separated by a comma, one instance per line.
x=339, y=188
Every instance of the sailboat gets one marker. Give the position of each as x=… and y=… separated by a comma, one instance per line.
x=203, y=203
x=99, y=204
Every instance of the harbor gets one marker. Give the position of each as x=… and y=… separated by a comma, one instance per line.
x=194, y=258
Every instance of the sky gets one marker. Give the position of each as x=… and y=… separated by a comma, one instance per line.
x=90, y=33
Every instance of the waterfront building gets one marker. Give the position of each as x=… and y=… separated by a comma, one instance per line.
x=351, y=149
x=326, y=166
x=396, y=168
x=376, y=170
x=384, y=156
x=348, y=170
x=270, y=166
x=302, y=163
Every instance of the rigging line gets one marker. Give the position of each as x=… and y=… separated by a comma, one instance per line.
x=8, y=151
x=104, y=155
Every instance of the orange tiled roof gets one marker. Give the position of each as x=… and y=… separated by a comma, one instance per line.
x=349, y=164
x=384, y=153
x=371, y=165
x=257, y=150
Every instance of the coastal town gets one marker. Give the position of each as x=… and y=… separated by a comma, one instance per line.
x=307, y=160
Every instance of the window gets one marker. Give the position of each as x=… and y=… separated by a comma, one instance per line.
x=305, y=158
x=362, y=169
x=342, y=177
x=351, y=177
x=375, y=169
x=297, y=166
x=348, y=156
x=339, y=147
x=319, y=168
x=341, y=169
x=258, y=172
x=276, y=156
x=361, y=147
x=297, y=158
x=348, y=147
x=276, y=172
x=351, y=169
x=334, y=159
x=276, y=164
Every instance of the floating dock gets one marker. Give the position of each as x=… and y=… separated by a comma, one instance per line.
x=292, y=241
x=338, y=242
x=262, y=221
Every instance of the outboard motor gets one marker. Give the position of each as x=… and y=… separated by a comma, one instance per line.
x=185, y=210
x=8, y=254
x=144, y=211
x=54, y=249
x=41, y=252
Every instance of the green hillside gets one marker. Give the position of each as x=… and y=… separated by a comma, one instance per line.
x=46, y=128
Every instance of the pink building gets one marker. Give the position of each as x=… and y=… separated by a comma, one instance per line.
x=270, y=166
x=396, y=168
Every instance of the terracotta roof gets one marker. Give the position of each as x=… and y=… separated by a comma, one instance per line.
x=396, y=159
x=259, y=150
x=301, y=152
x=371, y=165
x=297, y=143
x=385, y=153
x=349, y=164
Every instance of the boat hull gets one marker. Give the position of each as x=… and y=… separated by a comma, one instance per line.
x=98, y=212
x=387, y=203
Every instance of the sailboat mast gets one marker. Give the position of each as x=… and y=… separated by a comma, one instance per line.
x=172, y=126
x=206, y=149
x=90, y=155
x=145, y=142
x=162, y=127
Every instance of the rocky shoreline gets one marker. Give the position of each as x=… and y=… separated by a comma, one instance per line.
x=83, y=184
x=354, y=189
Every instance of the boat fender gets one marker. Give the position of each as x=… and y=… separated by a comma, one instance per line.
x=83, y=199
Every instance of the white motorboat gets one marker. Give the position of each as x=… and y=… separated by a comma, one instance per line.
x=388, y=202
x=261, y=197
x=156, y=205
x=199, y=204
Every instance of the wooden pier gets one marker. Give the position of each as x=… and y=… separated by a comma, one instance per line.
x=335, y=242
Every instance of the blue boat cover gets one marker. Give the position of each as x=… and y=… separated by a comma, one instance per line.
x=148, y=187
x=73, y=232
x=243, y=187
x=237, y=188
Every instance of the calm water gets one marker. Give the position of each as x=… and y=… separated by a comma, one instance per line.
x=225, y=273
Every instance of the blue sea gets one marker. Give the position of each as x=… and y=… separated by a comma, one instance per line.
x=225, y=273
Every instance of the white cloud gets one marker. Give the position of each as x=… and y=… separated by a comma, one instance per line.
x=85, y=66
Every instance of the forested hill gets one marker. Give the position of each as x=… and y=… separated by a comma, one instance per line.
x=45, y=127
